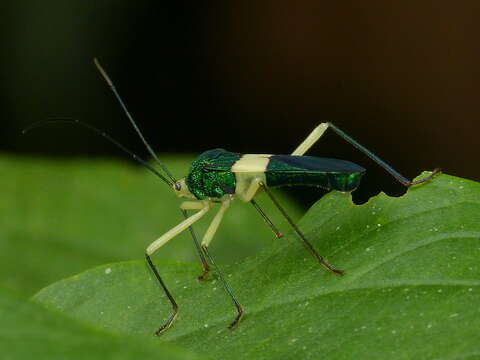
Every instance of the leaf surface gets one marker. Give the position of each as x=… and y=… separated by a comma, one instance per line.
x=411, y=288
x=30, y=331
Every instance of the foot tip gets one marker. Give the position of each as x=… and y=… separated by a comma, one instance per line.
x=338, y=272
x=203, y=277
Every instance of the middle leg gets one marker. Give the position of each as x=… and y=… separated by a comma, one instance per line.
x=203, y=260
x=207, y=238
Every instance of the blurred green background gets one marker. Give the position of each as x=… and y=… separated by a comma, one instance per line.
x=402, y=78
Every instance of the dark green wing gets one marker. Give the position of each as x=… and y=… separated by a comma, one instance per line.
x=342, y=175
x=292, y=163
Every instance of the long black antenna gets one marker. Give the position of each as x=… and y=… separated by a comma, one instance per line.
x=101, y=133
x=122, y=104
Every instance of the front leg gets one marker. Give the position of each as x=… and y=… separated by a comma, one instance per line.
x=203, y=206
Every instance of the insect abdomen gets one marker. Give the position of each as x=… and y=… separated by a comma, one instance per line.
x=330, y=174
x=328, y=181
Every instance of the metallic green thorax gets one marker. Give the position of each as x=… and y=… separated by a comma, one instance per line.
x=210, y=174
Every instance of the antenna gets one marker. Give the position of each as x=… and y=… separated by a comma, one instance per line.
x=122, y=104
x=101, y=133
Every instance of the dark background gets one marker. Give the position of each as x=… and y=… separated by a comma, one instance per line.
x=400, y=77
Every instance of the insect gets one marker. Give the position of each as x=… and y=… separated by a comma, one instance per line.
x=217, y=177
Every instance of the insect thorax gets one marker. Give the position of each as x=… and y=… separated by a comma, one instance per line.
x=210, y=174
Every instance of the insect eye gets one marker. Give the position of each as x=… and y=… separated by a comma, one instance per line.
x=178, y=186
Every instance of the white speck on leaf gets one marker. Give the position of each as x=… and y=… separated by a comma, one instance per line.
x=108, y=271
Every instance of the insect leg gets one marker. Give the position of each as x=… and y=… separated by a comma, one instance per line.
x=305, y=242
x=212, y=228
x=205, y=242
x=311, y=139
x=247, y=194
x=227, y=289
x=204, y=207
x=269, y=222
x=320, y=129
x=206, y=267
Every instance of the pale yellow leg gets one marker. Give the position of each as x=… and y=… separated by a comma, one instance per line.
x=212, y=229
x=311, y=139
x=252, y=189
x=192, y=205
x=204, y=206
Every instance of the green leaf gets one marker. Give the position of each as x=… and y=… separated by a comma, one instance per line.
x=411, y=289
x=58, y=218
x=30, y=331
